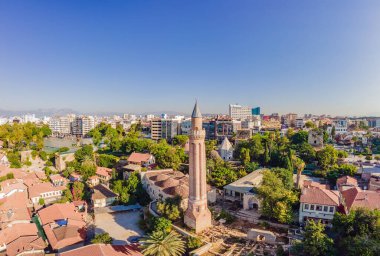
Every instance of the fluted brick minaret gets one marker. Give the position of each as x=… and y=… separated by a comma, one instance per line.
x=197, y=215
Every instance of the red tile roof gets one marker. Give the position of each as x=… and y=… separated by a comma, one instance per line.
x=59, y=212
x=103, y=171
x=103, y=250
x=357, y=198
x=309, y=183
x=102, y=192
x=20, y=238
x=139, y=157
x=316, y=195
x=14, y=208
x=37, y=189
x=56, y=177
x=346, y=180
x=62, y=236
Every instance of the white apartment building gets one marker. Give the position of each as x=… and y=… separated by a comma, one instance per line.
x=239, y=112
x=61, y=125
x=3, y=120
x=251, y=123
x=30, y=118
x=341, y=126
x=149, y=117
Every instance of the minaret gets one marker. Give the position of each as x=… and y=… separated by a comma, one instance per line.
x=197, y=216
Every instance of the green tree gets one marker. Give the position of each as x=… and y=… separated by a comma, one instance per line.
x=103, y=238
x=78, y=190
x=159, y=244
x=245, y=156
x=14, y=159
x=108, y=161
x=342, y=154
x=307, y=153
x=252, y=166
x=285, y=175
x=299, y=137
x=210, y=145
x=299, y=165
x=222, y=176
x=167, y=156
x=327, y=157
x=180, y=140
x=87, y=168
x=347, y=169
x=316, y=242
x=67, y=196
x=309, y=124
x=170, y=208
x=85, y=153
x=162, y=225
x=357, y=233
x=277, y=200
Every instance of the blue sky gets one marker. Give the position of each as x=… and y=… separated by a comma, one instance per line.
x=140, y=56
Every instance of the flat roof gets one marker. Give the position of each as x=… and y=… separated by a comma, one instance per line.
x=245, y=184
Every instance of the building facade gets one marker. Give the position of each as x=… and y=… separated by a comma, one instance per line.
x=155, y=129
x=238, y=112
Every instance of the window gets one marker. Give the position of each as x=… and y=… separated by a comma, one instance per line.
x=312, y=207
x=306, y=207
x=331, y=209
x=318, y=208
x=325, y=208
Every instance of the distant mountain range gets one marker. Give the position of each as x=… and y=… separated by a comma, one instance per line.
x=65, y=111
x=38, y=112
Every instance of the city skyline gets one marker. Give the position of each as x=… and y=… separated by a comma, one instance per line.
x=303, y=57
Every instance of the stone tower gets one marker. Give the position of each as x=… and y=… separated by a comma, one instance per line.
x=197, y=216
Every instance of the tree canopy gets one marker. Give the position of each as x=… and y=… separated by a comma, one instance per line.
x=24, y=136
x=315, y=242
x=277, y=198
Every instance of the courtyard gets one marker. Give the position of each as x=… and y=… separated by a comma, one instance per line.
x=122, y=226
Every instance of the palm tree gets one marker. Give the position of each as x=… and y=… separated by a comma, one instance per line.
x=163, y=244
x=299, y=164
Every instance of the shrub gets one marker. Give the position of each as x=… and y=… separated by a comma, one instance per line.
x=63, y=149
x=102, y=239
x=14, y=159
x=226, y=216
x=43, y=155
x=193, y=242
x=41, y=201
x=34, y=154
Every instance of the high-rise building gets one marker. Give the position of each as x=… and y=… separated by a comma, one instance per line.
x=155, y=129
x=61, y=124
x=169, y=128
x=239, y=112
x=256, y=111
x=186, y=127
x=197, y=216
x=82, y=125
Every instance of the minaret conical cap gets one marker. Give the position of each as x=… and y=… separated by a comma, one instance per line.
x=196, y=111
